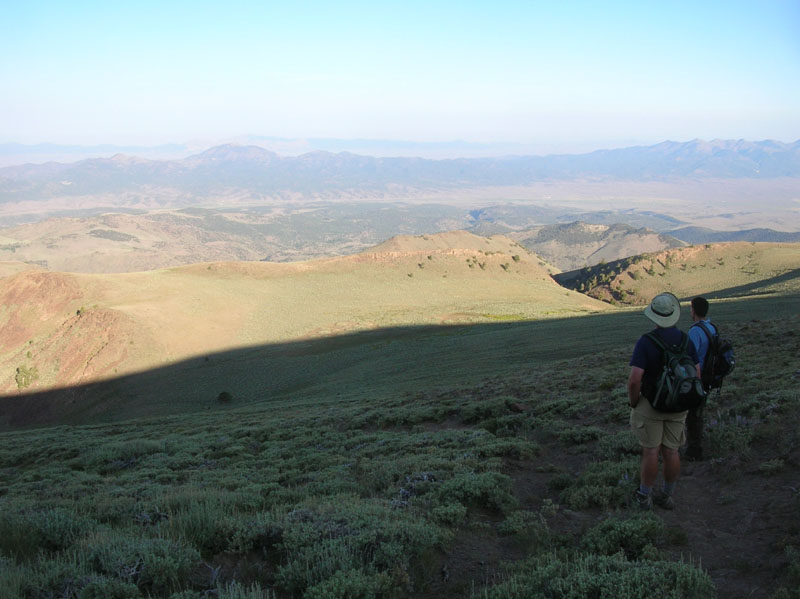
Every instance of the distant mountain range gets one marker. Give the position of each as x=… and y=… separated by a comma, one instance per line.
x=257, y=172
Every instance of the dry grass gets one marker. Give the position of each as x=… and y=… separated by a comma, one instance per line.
x=168, y=315
x=718, y=271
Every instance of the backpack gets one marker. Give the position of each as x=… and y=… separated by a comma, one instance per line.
x=676, y=387
x=719, y=360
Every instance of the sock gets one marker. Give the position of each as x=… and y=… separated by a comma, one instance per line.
x=669, y=487
x=644, y=490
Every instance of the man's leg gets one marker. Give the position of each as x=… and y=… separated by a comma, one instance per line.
x=672, y=465
x=643, y=496
x=649, y=466
x=694, y=434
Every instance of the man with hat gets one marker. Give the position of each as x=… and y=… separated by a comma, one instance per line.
x=659, y=433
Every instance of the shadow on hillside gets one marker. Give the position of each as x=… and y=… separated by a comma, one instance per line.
x=361, y=366
x=761, y=287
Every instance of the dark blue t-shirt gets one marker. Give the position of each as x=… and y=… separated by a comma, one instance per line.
x=647, y=355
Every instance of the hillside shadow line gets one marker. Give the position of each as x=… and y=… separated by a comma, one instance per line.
x=365, y=365
x=757, y=288
x=337, y=366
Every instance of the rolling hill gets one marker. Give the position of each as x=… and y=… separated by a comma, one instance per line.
x=67, y=328
x=119, y=242
x=718, y=271
x=575, y=245
x=128, y=242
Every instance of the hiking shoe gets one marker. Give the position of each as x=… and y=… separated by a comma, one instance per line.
x=642, y=501
x=664, y=501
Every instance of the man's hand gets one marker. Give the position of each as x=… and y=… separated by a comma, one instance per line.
x=634, y=385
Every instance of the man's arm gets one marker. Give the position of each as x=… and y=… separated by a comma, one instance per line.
x=634, y=385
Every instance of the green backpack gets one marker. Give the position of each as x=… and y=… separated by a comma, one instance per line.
x=677, y=387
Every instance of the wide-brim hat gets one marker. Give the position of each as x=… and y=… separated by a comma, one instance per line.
x=664, y=310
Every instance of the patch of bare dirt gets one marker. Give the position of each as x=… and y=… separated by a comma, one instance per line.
x=30, y=299
x=737, y=520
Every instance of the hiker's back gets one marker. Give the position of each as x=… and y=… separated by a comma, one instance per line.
x=717, y=356
x=673, y=386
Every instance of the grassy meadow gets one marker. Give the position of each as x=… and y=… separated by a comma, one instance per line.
x=490, y=460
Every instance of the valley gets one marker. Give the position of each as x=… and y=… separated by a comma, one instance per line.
x=387, y=391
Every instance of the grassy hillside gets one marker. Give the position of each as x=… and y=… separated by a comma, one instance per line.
x=488, y=460
x=717, y=271
x=65, y=329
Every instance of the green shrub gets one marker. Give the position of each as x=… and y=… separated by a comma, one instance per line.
x=351, y=584
x=771, y=467
x=104, y=588
x=24, y=533
x=205, y=524
x=630, y=535
x=579, y=434
x=113, y=457
x=451, y=514
x=490, y=490
x=561, y=481
x=603, y=484
x=730, y=438
x=235, y=590
x=12, y=578
x=623, y=443
x=550, y=577
x=527, y=528
x=261, y=532
x=482, y=410
x=25, y=376
x=152, y=564
x=312, y=564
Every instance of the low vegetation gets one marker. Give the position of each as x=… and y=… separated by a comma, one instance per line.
x=512, y=485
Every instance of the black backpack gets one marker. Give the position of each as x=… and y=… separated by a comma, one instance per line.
x=719, y=360
x=676, y=388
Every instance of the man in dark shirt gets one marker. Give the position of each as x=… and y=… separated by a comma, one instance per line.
x=659, y=433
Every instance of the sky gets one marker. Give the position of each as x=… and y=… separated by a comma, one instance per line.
x=558, y=76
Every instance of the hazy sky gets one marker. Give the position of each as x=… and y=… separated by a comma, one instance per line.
x=562, y=75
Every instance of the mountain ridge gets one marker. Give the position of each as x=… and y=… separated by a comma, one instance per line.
x=311, y=171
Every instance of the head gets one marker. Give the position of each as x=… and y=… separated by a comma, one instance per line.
x=664, y=310
x=699, y=307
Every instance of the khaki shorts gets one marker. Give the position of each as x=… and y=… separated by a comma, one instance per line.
x=653, y=428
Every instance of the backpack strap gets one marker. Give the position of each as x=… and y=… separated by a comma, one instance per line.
x=657, y=341
x=660, y=344
x=702, y=324
x=710, y=349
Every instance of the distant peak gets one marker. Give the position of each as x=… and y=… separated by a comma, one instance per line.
x=233, y=152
